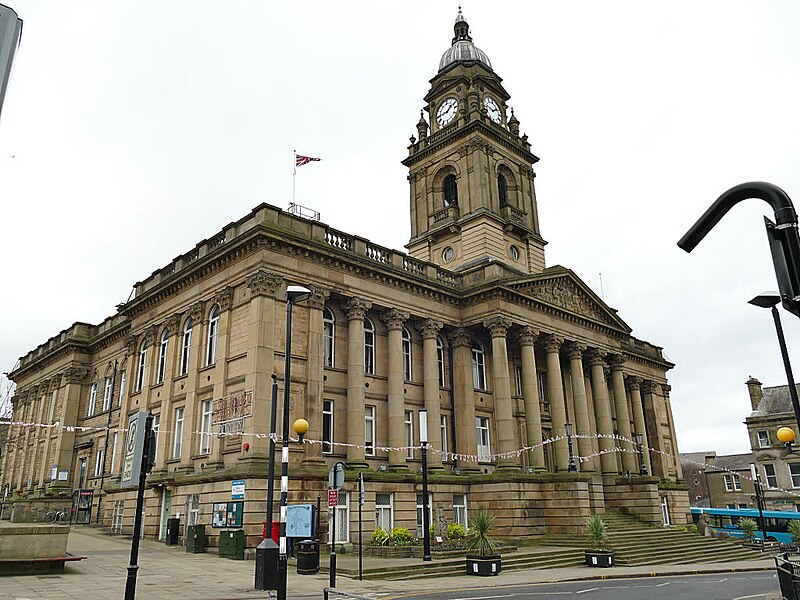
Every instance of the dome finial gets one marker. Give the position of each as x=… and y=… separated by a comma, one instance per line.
x=461, y=27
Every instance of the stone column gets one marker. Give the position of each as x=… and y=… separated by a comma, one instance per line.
x=629, y=460
x=264, y=288
x=587, y=386
x=224, y=299
x=665, y=389
x=555, y=393
x=356, y=310
x=429, y=328
x=394, y=320
x=464, y=390
x=634, y=385
x=602, y=409
x=503, y=409
x=73, y=376
x=315, y=373
x=530, y=396
x=581, y=402
x=652, y=418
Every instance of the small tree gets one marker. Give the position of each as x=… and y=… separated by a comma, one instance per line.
x=596, y=533
x=794, y=531
x=749, y=528
x=480, y=525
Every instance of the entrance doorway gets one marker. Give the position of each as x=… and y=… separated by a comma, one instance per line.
x=166, y=511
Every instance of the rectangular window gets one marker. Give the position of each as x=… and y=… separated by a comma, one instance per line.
x=769, y=475
x=732, y=483
x=177, y=445
x=98, y=463
x=484, y=446
x=192, y=509
x=114, y=451
x=384, y=513
x=440, y=360
x=541, y=380
x=743, y=506
x=409, y=434
x=205, y=426
x=763, y=439
x=342, y=519
x=518, y=372
x=121, y=388
x=92, y=399
x=328, y=336
x=460, y=510
x=369, y=430
x=420, y=526
x=156, y=428
x=49, y=409
x=794, y=471
x=327, y=426
x=444, y=438
x=108, y=392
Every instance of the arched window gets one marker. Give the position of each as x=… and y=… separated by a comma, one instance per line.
x=369, y=347
x=406, y=354
x=450, y=191
x=440, y=360
x=186, y=346
x=502, y=190
x=478, y=366
x=162, y=357
x=328, y=335
x=140, y=366
x=213, y=332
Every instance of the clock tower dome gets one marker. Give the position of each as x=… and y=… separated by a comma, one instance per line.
x=471, y=173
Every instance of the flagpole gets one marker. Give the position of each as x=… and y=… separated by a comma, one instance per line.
x=294, y=173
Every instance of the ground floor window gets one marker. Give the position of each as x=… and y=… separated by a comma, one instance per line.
x=192, y=509
x=342, y=533
x=484, y=445
x=460, y=510
x=116, y=517
x=420, y=527
x=327, y=426
x=384, y=509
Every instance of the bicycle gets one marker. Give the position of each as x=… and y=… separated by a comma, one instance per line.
x=58, y=516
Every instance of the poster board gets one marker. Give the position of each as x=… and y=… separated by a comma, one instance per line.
x=300, y=520
x=227, y=515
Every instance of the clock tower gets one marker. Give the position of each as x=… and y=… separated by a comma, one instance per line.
x=471, y=173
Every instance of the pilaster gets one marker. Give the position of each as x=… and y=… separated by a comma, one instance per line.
x=356, y=309
x=315, y=372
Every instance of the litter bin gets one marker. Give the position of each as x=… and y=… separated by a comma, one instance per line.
x=173, y=531
x=231, y=544
x=196, y=539
x=307, y=557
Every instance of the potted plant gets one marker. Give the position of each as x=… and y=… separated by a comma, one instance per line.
x=794, y=531
x=598, y=554
x=749, y=528
x=481, y=554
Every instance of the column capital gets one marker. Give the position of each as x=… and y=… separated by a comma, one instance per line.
x=131, y=344
x=665, y=389
x=197, y=311
x=394, y=318
x=319, y=295
x=553, y=342
x=633, y=382
x=429, y=328
x=616, y=361
x=461, y=337
x=173, y=324
x=150, y=335
x=55, y=382
x=356, y=308
x=527, y=335
x=648, y=387
x=575, y=350
x=224, y=298
x=595, y=357
x=264, y=283
x=75, y=374
x=497, y=325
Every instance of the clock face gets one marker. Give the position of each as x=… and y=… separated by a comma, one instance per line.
x=493, y=110
x=446, y=112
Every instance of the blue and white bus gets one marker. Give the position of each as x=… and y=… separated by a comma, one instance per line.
x=726, y=520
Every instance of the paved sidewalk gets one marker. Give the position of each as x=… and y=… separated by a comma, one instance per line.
x=169, y=572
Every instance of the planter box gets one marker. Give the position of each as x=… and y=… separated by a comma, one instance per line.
x=599, y=558
x=484, y=565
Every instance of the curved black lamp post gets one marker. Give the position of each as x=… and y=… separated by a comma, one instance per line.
x=572, y=468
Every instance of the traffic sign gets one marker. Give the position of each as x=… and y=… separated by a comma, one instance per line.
x=333, y=498
x=336, y=476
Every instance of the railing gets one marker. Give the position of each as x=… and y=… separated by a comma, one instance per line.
x=303, y=212
x=340, y=240
x=787, y=565
x=440, y=215
x=191, y=256
x=517, y=214
x=446, y=277
x=377, y=253
x=217, y=240
x=412, y=265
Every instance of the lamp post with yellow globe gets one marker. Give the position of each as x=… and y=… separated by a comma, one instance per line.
x=787, y=437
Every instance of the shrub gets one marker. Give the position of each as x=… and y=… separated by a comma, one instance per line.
x=480, y=542
x=749, y=528
x=456, y=531
x=380, y=537
x=596, y=533
x=794, y=531
x=400, y=536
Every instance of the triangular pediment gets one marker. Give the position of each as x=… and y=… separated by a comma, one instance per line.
x=560, y=287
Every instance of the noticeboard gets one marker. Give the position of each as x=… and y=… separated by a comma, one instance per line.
x=227, y=514
x=300, y=520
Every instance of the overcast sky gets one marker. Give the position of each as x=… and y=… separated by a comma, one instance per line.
x=133, y=130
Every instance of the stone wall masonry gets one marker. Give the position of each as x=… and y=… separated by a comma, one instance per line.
x=636, y=497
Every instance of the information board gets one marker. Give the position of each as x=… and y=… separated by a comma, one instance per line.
x=237, y=489
x=227, y=514
x=300, y=520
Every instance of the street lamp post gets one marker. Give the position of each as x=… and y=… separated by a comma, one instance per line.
x=423, y=439
x=572, y=468
x=642, y=466
x=294, y=293
x=771, y=300
x=759, y=502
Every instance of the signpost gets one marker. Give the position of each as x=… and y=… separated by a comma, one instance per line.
x=335, y=482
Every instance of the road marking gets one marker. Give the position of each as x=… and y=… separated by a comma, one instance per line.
x=663, y=584
x=754, y=596
x=587, y=590
x=485, y=597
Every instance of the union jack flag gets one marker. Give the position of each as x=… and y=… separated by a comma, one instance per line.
x=299, y=160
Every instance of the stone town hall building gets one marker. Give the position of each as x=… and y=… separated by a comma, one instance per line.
x=471, y=324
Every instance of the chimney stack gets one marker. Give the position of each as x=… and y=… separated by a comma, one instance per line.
x=756, y=394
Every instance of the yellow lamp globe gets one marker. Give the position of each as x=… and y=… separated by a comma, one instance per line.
x=301, y=426
x=786, y=434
